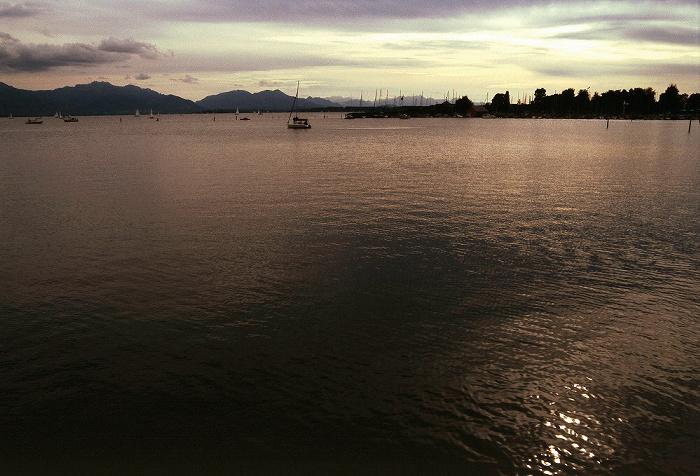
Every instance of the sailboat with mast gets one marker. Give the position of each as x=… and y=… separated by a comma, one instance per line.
x=297, y=122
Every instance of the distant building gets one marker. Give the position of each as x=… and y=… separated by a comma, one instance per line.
x=477, y=111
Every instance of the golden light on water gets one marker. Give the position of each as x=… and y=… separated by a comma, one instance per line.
x=571, y=431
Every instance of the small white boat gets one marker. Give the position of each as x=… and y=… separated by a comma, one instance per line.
x=70, y=119
x=137, y=113
x=37, y=120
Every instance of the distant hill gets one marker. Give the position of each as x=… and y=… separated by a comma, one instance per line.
x=90, y=99
x=264, y=101
x=101, y=98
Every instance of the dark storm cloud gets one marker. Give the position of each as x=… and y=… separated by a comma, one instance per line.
x=19, y=10
x=16, y=56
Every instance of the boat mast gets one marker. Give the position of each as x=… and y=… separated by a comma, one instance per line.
x=294, y=104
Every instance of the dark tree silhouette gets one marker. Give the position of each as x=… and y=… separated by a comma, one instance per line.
x=640, y=101
x=612, y=102
x=462, y=105
x=539, y=100
x=670, y=101
x=693, y=103
x=565, y=104
x=498, y=103
x=582, y=102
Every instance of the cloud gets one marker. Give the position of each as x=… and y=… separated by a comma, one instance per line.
x=673, y=35
x=142, y=77
x=340, y=11
x=599, y=69
x=129, y=46
x=667, y=34
x=187, y=80
x=16, y=56
x=6, y=38
x=19, y=10
x=328, y=11
x=270, y=84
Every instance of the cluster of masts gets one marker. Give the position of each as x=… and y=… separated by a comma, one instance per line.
x=451, y=97
x=381, y=100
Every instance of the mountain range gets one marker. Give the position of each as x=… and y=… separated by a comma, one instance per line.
x=264, y=101
x=102, y=98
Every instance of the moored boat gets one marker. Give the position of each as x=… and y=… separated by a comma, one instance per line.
x=297, y=122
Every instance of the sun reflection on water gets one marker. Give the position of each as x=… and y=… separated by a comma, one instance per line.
x=570, y=434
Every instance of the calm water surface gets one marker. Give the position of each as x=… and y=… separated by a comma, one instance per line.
x=370, y=296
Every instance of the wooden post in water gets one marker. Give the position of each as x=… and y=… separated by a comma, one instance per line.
x=607, y=124
x=690, y=123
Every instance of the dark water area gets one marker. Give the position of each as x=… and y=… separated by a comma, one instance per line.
x=433, y=296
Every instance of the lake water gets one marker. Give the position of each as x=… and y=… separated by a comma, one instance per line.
x=431, y=296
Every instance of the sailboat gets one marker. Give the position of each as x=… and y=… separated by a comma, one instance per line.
x=137, y=113
x=151, y=115
x=296, y=121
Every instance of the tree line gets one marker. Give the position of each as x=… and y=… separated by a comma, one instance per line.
x=633, y=103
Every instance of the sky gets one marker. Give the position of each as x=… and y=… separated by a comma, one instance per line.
x=195, y=48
